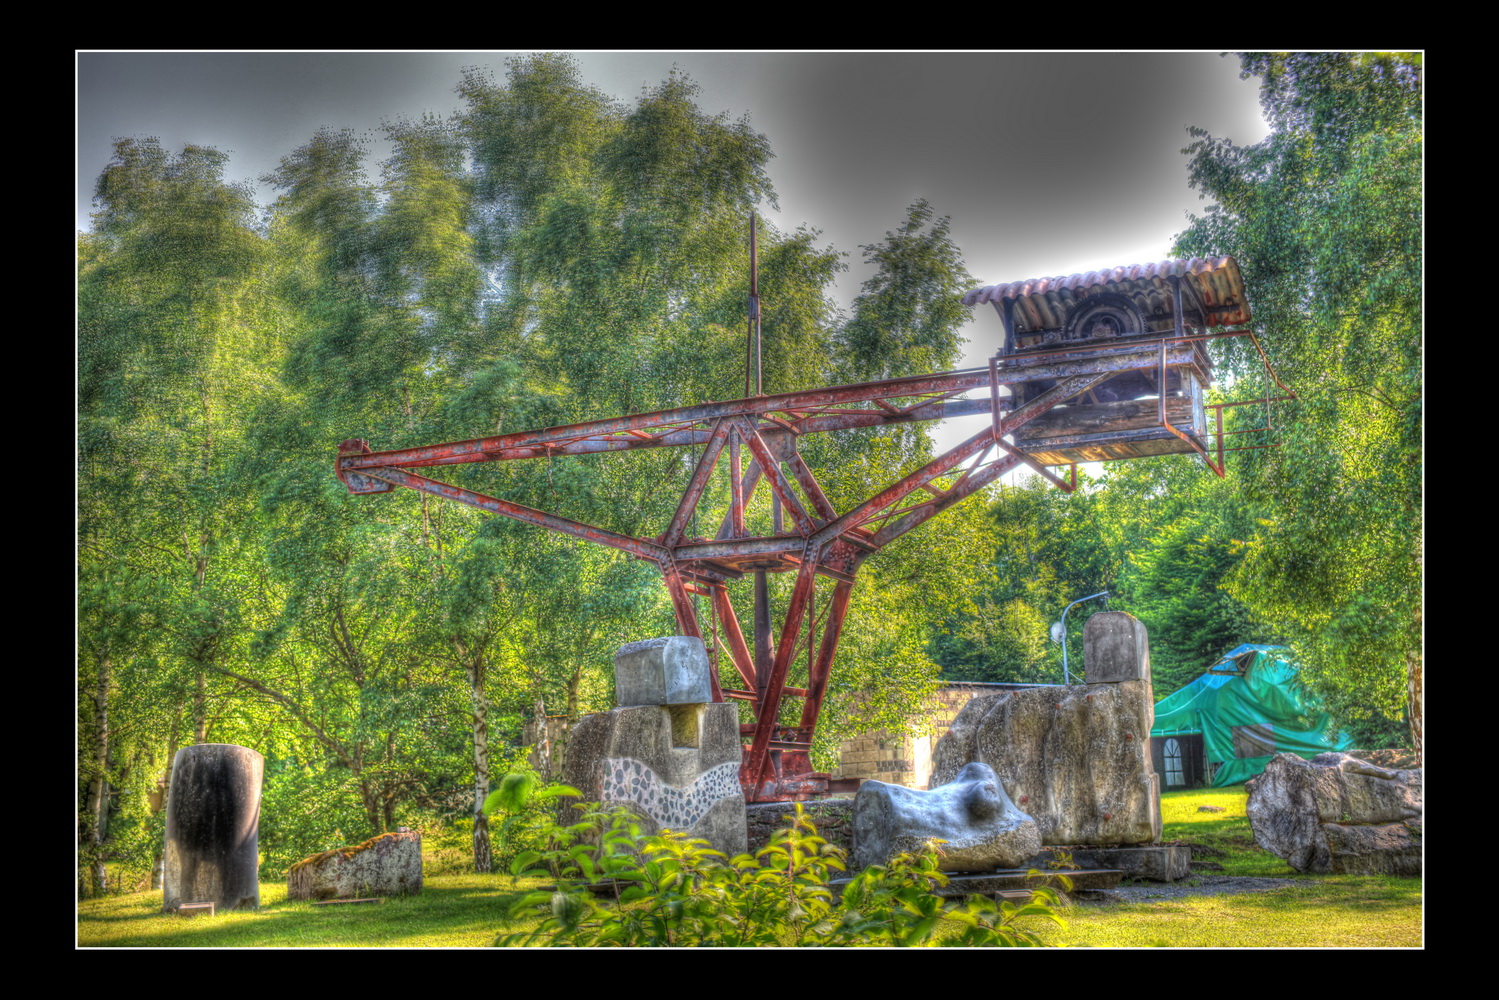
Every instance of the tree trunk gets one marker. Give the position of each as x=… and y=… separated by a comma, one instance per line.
x=159, y=803
x=370, y=797
x=483, y=860
x=1415, y=693
x=200, y=706
x=99, y=792
x=1416, y=703
x=559, y=749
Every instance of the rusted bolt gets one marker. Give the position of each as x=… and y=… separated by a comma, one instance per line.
x=1090, y=697
x=1024, y=799
x=1129, y=736
x=1108, y=815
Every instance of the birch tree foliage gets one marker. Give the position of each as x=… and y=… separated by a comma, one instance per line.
x=1324, y=217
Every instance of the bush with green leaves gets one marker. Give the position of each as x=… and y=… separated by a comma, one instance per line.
x=675, y=891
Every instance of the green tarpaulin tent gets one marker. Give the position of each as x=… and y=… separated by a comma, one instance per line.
x=1247, y=708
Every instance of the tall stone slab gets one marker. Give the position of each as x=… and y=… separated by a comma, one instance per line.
x=1115, y=648
x=1076, y=758
x=1338, y=813
x=212, y=852
x=675, y=763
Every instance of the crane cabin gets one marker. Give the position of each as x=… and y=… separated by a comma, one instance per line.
x=1137, y=413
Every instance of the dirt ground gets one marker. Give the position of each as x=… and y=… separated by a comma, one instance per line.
x=1207, y=885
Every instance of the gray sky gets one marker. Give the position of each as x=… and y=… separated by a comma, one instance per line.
x=1048, y=163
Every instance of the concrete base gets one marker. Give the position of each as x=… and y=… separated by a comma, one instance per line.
x=1010, y=880
x=1155, y=862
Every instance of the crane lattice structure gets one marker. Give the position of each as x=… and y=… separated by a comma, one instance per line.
x=1070, y=384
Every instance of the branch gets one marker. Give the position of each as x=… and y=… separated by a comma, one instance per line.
x=1375, y=394
x=291, y=706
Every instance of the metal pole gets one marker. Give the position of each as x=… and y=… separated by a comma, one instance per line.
x=1067, y=677
x=752, y=386
x=764, y=657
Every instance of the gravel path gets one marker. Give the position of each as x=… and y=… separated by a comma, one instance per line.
x=1211, y=885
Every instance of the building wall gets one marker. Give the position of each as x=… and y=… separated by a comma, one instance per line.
x=907, y=760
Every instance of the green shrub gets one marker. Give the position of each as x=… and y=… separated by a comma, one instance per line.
x=674, y=891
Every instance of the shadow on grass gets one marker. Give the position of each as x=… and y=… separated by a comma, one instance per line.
x=466, y=915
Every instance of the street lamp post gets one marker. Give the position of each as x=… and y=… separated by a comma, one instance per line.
x=1059, y=631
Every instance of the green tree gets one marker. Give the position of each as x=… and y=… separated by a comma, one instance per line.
x=1324, y=217
x=908, y=316
x=173, y=353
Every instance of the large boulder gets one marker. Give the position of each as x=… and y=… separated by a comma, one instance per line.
x=674, y=764
x=1337, y=813
x=982, y=828
x=1076, y=758
x=387, y=865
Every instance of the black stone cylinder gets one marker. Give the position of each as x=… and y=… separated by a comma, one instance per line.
x=213, y=821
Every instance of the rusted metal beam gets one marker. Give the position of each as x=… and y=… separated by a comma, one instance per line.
x=974, y=482
x=597, y=435
x=735, y=522
x=817, y=681
x=895, y=491
x=635, y=546
x=695, y=485
x=739, y=653
x=810, y=486
x=778, y=481
x=758, y=769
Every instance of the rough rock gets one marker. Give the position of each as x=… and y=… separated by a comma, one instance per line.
x=672, y=670
x=212, y=850
x=387, y=865
x=984, y=830
x=675, y=764
x=1076, y=758
x=1393, y=757
x=1337, y=813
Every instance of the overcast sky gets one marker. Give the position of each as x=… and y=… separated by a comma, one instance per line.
x=1048, y=163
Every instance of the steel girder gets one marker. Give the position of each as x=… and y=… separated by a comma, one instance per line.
x=818, y=541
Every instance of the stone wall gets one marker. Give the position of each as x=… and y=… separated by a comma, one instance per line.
x=834, y=819
x=907, y=760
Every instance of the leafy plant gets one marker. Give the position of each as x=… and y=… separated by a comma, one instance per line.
x=529, y=832
x=682, y=895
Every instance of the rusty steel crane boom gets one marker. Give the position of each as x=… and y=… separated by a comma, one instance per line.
x=754, y=440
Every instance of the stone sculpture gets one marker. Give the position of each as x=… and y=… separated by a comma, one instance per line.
x=1076, y=758
x=1337, y=813
x=983, y=829
x=387, y=865
x=212, y=850
x=667, y=753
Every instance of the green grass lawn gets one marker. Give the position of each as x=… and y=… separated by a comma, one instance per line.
x=467, y=911
x=452, y=911
x=1327, y=912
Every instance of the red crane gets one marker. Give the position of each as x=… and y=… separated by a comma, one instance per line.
x=754, y=440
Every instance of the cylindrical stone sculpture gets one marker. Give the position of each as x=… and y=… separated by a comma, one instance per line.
x=212, y=850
